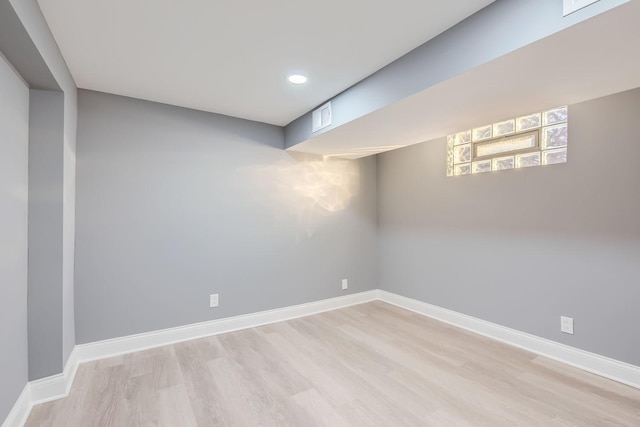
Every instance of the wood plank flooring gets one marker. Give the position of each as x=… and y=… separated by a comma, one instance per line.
x=368, y=365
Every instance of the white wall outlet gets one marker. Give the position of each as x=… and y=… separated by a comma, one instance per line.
x=566, y=325
x=345, y=284
x=213, y=300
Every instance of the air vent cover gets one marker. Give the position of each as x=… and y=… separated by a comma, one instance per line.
x=321, y=117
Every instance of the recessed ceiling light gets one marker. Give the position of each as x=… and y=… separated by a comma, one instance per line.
x=297, y=79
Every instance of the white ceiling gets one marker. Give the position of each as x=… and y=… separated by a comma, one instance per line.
x=233, y=57
x=591, y=59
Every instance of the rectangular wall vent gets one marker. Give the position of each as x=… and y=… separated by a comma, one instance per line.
x=570, y=6
x=321, y=117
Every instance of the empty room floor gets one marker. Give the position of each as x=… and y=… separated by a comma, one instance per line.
x=366, y=365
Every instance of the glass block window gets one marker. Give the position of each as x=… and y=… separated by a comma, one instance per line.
x=532, y=140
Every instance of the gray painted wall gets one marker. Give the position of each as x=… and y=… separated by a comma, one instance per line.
x=14, y=133
x=521, y=248
x=46, y=121
x=32, y=20
x=20, y=50
x=500, y=28
x=175, y=204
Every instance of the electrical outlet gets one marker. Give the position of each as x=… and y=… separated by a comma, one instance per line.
x=566, y=325
x=345, y=284
x=213, y=300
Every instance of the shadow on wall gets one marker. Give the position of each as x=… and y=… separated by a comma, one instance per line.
x=311, y=187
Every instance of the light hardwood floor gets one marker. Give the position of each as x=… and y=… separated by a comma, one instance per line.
x=368, y=365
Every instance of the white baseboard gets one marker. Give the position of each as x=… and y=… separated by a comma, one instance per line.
x=41, y=391
x=609, y=368
x=58, y=386
x=131, y=343
x=21, y=409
